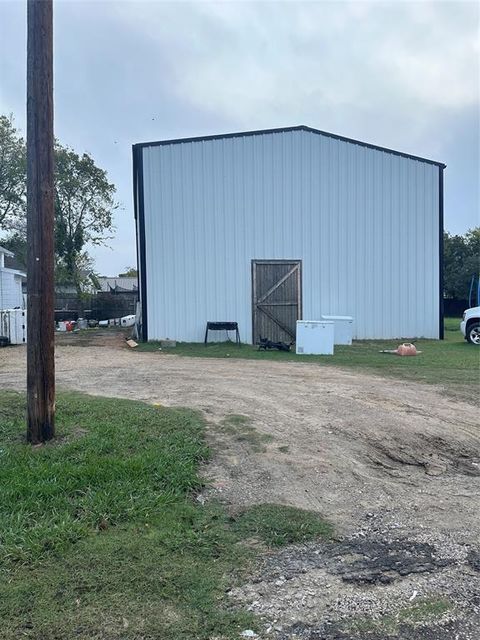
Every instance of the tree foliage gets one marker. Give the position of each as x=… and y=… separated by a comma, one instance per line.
x=13, y=175
x=461, y=261
x=130, y=272
x=17, y=243
x=84, y=205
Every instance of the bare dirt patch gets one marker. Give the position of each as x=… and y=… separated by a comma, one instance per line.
x=113, y=337
x=394, y=465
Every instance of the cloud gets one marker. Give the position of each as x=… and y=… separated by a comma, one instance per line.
x=399, y=74
x=242, y=57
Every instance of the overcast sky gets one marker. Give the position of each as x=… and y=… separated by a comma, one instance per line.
x=403, y=75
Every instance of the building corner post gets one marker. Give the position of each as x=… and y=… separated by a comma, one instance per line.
x=139, y=208
x=440, y=248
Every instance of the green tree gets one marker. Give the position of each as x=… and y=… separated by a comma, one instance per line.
x=84, y=205
x=461, y=262
x=130, y=272
x=16, y=242
x=13, y=176
x=84, y=209
x=84, y=277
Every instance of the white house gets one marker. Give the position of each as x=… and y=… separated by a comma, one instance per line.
x=11, y=295
x=267, y=227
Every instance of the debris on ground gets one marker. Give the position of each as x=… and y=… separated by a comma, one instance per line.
x=405, y=349
x=267, y=345
x=381, y=582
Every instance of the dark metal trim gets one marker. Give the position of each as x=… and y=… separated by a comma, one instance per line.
x=440, y=253
x=254, y=287
x=301, y=127
x=139, y=209
x=276, y=261
x=300, y=291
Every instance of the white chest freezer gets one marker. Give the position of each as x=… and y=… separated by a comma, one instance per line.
x=315, y=337
x=343, y=328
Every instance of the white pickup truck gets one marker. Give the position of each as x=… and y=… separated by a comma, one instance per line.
x=470, y=325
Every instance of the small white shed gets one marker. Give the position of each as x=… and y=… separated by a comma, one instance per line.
x=11, y=280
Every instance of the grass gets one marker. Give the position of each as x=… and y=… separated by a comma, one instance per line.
x=240, y=427
x=114, y=462
x=100, y=537
x=451, y=362
x=276, y=525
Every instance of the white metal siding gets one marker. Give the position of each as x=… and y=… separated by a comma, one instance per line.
x=10, y=290
x=365, y=224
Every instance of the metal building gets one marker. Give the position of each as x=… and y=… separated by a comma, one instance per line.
x=266, y=227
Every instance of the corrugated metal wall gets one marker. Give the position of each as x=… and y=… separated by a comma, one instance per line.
x=10, y=290
x=365, y=224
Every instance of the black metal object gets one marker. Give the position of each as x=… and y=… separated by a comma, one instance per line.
x=139, y=209
x=441, y=311
x=223, y=326
x=266, y=344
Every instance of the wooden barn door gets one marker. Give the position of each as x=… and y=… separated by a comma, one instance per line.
x=276, y=298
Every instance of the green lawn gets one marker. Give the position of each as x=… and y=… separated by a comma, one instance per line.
x=100, y=535
x=452, y=362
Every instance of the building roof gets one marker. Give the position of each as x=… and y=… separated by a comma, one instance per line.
x=9, y=264
x=301, y=127
x=6, y=252
x=118, y=283
x=15, y=272
x=62, y=289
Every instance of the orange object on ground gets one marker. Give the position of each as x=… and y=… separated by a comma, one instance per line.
x=407, y=349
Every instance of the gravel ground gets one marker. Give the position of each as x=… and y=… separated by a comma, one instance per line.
x=381, y=582
x=394, y=465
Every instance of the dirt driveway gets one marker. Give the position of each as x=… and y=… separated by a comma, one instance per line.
x=394, y=465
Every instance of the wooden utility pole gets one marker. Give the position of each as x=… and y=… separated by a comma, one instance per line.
x=40, y=221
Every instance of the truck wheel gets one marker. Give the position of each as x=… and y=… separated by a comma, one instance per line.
x=473, y=333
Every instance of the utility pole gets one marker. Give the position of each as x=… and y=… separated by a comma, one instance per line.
x=40, y=221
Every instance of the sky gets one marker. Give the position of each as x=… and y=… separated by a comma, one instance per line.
x=403, y=75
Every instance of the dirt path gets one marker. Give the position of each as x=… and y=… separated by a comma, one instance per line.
x=387, y=461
